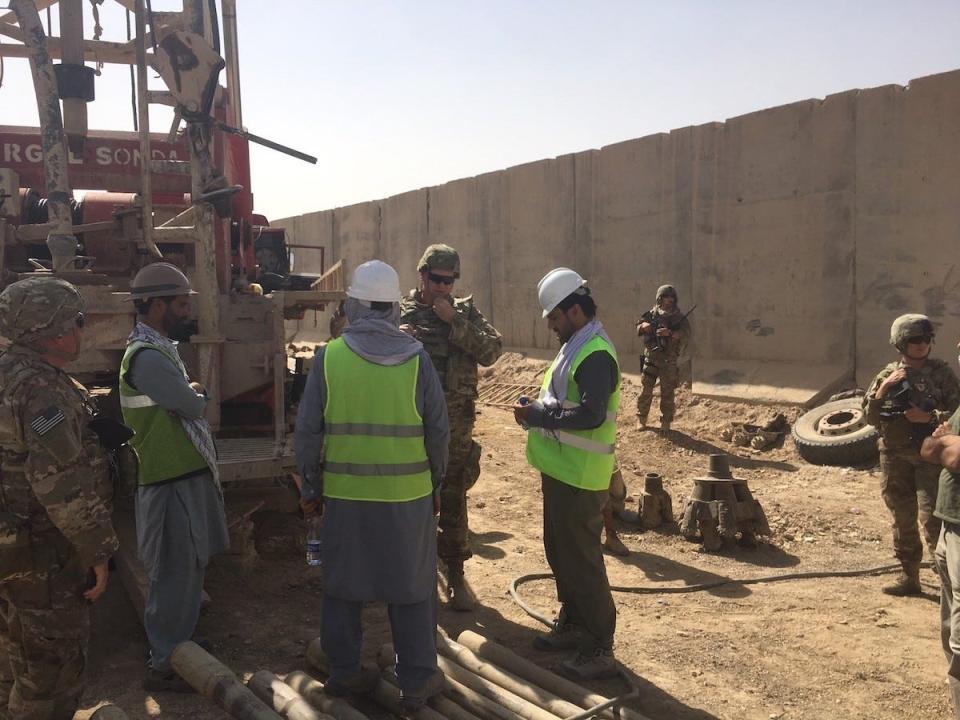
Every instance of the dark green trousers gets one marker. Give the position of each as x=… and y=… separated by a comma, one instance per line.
x=572, y=521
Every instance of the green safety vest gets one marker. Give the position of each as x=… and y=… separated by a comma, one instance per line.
x=374, y=446
x=164, y=450
x=581, y=458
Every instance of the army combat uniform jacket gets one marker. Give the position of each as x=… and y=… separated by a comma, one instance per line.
x=456, y=348
x=935, y=381
x=54, y=525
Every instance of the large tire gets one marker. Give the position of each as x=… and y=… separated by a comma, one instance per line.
x=836, y=433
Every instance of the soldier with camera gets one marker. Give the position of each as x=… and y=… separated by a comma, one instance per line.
x=906, y=401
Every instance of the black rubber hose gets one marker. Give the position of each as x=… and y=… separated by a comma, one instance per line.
x=700, y=587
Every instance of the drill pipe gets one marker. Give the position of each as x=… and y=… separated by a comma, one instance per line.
x=109, y=712
x=515, y=705
x=507, y=680
x=215, y=681
x=454, y=693
x=384, y=694
x=561, y=687
x=442, y=704
x=283, y=698
x=312, y=691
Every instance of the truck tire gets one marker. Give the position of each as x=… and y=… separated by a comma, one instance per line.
x=836, y=433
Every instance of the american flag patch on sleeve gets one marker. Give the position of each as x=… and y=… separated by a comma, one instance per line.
x=47, y=420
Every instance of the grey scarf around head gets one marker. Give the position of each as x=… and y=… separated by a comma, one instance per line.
x=375, y=335
x=554, y=395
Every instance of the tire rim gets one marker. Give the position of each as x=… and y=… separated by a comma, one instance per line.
x=841, y=422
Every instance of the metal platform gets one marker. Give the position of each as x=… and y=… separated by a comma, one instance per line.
x=251, y=458
x=505, y=395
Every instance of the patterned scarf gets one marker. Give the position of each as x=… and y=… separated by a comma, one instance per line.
x=197, y=430
x=554, y=395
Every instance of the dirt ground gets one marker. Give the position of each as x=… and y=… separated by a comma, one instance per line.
x=834, y=648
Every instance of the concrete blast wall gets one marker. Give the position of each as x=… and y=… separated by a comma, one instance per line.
x=799, y=232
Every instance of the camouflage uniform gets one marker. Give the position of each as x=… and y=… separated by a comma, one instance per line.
x=54, y=522
x=909, y=485
x=456, y=349
x=660, y=357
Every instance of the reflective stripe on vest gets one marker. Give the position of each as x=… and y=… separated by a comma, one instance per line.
x=374, y=439
x=164, y=450
x=582, y=458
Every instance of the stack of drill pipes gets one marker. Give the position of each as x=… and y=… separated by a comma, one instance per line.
x=109, y=712
x=283, y=698
x=513, y=703
x=312, y=691
x=384, y=693
x=440, y=703
x=561, y=687
x=215, y=681
x=506, y=679
x=457, y=692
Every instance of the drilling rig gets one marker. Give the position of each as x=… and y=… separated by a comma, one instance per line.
x=182, y=195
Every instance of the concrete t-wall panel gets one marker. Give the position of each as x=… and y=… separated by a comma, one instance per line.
x=465, y=214
x=403, y=231
x=641, y=187
x=313, y=229
x=908, y=214
x=356, y=235
x=537, y=234
x=776, y=275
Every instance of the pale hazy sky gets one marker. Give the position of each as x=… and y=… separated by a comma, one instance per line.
x=394, y=96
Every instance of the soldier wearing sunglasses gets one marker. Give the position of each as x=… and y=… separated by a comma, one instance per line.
x=457, y=338
x=905, y=402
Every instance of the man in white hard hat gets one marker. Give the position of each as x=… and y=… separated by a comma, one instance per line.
x=179, y=504
x=573, y=430
x=371, y=444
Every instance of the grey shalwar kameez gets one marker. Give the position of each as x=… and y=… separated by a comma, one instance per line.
x=377, y=551
x=180, y=524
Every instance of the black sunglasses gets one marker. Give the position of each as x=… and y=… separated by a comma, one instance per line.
x=920, y=340
x=441, y=279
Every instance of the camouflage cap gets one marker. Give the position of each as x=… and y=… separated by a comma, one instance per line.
x=38, y=307
x=664, y=290
x=440, y=257
x=908, y=326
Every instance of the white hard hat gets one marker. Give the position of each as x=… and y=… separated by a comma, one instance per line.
x=556, y=285
x=375, y=281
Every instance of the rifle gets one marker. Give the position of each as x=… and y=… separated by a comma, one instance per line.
x=658, y=321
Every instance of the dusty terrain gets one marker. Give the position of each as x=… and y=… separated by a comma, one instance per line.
x=826, y=648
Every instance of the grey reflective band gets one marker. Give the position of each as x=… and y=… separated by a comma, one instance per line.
x=581, y=443
x=374, y=429
x=133, y=402
x=373, y=469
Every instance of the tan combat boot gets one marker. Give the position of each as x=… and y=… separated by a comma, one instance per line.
x=907, y=582
x=461, y=595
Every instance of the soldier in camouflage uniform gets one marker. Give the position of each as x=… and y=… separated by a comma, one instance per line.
x=55, y=525
x=665, y=332
x=458, y=338
x=905, y=402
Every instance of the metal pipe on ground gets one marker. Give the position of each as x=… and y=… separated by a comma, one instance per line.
x=515, y=705
x=441, y=703
x=283, y=698
x=216, y=682
x=559, y=686
x=311, y=690
x=507, y=680
x=109, y=712
x=384, y=694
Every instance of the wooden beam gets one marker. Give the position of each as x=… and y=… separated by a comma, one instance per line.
x=41, y=5
x=93, y=51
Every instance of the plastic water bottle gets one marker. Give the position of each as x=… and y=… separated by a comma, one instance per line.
x=524, y=400
x=314, y=523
